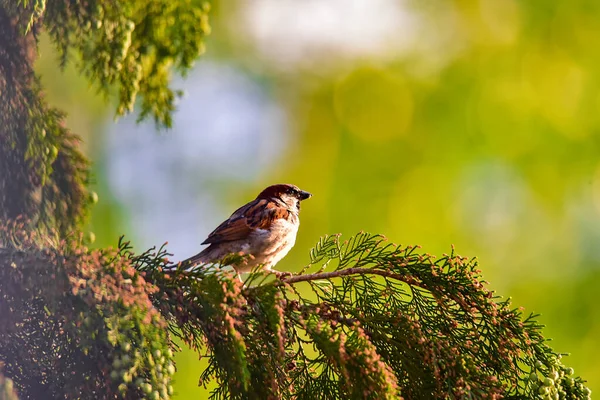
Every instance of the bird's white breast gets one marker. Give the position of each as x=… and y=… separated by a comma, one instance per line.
x=273, y=244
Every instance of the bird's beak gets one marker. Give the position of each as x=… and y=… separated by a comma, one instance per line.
x=304, y=195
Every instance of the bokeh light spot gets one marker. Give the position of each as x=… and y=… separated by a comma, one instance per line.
x=557, y=84
x=596, y=189
x=373, y=104
x=501, y=19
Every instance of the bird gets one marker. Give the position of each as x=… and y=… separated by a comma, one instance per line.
x=263, y=231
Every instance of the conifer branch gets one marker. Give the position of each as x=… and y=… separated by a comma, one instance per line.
x=424, y=327
x=345, y=272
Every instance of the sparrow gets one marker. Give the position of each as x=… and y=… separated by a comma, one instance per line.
x=264, y=230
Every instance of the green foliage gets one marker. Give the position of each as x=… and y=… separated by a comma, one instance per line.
x=7, y=391
x=43, y=174
x=131, y=46
x=36, y=9
x=379, y=321
x=78, y=321
x=61, y=169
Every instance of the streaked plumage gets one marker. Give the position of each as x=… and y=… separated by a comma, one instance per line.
x=265, y=228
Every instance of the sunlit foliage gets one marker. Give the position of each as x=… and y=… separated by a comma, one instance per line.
x=380, y=321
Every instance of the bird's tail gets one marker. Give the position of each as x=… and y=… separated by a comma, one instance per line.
x=200, y=258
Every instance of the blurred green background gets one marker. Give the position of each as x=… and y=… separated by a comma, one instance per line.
x=473, y=123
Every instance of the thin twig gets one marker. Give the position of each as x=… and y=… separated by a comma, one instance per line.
x=351, y=271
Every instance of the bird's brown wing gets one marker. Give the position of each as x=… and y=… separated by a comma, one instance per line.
x=258, y=214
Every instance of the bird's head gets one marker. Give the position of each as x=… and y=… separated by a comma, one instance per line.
x=290, y=195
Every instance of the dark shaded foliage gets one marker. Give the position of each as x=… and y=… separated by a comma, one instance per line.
x=76, y=321
x=43, y=174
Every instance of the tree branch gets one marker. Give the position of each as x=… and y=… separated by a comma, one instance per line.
x=351, y=271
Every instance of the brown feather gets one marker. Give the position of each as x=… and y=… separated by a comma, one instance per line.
x=258, y=214
x=275, y=190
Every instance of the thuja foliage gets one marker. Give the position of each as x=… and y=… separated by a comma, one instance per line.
x=131, y=45
x=43, y=174
x=76, y=323
x=127, y=47
x=365, y=319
